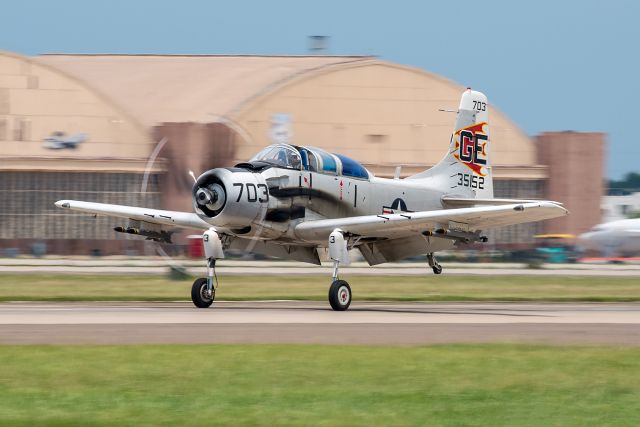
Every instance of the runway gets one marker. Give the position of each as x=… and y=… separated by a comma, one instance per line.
x=314, y=322
x=159, y=267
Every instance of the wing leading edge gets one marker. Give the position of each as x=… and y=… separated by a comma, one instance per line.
x=153, y=216
x=395, y=225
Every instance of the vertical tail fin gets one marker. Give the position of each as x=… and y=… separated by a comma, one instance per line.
x=465, y=171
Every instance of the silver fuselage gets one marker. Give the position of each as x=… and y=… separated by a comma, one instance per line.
x=268, y=204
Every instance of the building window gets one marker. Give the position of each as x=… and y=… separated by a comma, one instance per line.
x=27, y=203
x=517, y=189
x=26, y=130
x=21, y=129
x=33, y=82
x=376, y=138
x=3, y=129
x=17, y=129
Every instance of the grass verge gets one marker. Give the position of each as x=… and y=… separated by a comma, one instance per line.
x=15, y=287
x=463, y=385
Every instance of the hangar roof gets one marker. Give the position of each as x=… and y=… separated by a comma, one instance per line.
x=188, y=88
x=155, y=89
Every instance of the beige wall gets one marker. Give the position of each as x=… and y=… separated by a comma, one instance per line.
x=340, y=110
x=36, y=100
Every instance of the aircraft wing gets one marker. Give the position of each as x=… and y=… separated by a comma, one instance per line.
x=393, y=225
x=153, y=216
x=465, y=202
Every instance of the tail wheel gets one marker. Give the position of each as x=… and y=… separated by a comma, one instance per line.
x=340, y=295
x=199, y=294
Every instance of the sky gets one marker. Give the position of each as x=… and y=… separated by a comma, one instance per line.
x=550, y=65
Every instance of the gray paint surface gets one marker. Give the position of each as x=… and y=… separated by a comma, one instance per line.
x=304, y=322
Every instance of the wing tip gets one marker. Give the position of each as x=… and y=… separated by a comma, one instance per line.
x=556, y=206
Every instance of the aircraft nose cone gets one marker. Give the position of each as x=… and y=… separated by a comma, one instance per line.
x=210, y=198
x=205, y=196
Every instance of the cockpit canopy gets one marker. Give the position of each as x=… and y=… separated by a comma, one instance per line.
x=310, y=159
x=279, y=155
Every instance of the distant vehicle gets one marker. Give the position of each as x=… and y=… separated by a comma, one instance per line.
x=60, y=140
x=556, y=248
x=616, y=238
x=289, y=201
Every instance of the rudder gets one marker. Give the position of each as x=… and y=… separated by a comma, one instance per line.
x=465, y=170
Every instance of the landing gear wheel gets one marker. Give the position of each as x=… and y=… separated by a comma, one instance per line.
x=199, y=294
x=431, y=260
x=340, y=295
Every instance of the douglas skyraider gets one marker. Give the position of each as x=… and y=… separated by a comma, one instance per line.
x=289, y=201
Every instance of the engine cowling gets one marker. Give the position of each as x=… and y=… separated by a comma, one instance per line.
x=230, y=198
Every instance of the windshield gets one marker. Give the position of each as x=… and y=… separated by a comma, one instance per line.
x=279, y=155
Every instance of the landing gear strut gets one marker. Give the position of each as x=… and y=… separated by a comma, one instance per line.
x=431, y=259
x=203, y=291
x=340, y=291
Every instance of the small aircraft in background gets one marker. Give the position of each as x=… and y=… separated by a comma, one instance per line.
x=616, y=238
x=289, y=201
x=59, y=140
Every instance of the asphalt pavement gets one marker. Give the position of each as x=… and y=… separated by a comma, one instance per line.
x=314, y=322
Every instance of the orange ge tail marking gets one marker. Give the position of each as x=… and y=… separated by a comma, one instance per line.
x=471, y=147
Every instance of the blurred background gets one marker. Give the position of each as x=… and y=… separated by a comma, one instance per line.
x=117, y=103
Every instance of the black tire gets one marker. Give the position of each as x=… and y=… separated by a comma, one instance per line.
x=198, y=293
x=340, y=295
x=437, y=269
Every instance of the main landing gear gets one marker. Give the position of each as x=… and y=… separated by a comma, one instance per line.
x=202, y=291
x=340, y=291
x=431, y=259
x=340, y=295
x=202, y=294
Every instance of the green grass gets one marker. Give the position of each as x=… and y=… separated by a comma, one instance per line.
x=465, y=385
x=407, y=288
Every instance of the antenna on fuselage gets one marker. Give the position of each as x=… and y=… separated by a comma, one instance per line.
x=398, y=171
x=193, y=176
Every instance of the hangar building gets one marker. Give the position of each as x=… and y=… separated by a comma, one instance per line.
x=127, y=129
